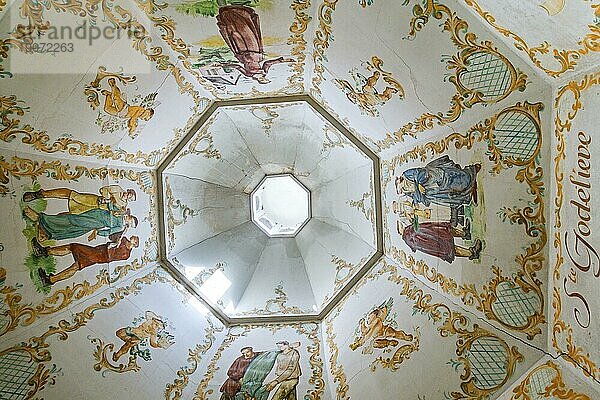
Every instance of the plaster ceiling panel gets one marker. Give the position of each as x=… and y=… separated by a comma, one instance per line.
x=393, y=329
x=95, y=350
x=185, y=326
x=549, y=379
x=575, y=264
x=39, y=52
x=254, y=48
x=422, y=201
x=287, y=280
x=384, y=86
x=302, y=351
x=30, y=98
x=540, y=29
x=231, y=257
x=103, y=100
x=440, y=70
x=334, y=155
x=534, y=93
x=217, y=154
x=72, y=360
x=85, y=124
x=349, y=206
x=197, y=210
x=331, y=256
x=292, y=138
x=65, y=207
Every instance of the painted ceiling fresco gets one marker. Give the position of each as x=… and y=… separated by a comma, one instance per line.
x=448, y=146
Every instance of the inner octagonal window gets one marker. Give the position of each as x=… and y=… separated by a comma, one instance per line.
x=280, y=205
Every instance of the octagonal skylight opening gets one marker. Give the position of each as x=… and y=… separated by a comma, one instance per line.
x=280, y=205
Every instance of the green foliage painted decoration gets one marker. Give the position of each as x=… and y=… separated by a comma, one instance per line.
x=210, y=8
x=33, y=263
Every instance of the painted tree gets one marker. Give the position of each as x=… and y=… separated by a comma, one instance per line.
x=210, y=8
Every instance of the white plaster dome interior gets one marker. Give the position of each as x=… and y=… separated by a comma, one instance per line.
x=244, y=194
x=299, y=199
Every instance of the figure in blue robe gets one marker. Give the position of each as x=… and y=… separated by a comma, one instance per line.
x=70, y=226
x=441, y=182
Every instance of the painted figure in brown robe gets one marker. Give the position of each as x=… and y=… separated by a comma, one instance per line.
x=437, y=239
x=287, y=372
x=236, y=372
x=83, y=256
x=240, y=28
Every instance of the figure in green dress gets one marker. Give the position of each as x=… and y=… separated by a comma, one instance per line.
x=286, y=364
x=70, y=226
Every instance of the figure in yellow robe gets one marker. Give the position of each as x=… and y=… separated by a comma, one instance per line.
x=111, y=198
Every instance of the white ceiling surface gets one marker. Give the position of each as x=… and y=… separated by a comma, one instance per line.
x=562, y=25
x=53, y=88
x=220, y=229
x=419, y=64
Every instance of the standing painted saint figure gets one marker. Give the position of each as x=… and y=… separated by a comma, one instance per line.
x=70, y=226
x=441, y=182
x=437, y=239
x=83, y=256
x=110, y=197
x=444, y=183
x=236, y=372
x=287, y=372
x=240, y=28
x=286, y=361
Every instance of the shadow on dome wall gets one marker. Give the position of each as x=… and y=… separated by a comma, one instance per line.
x=348, y=272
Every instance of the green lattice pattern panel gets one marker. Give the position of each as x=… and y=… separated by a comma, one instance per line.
x=514, y=306
x=539, y=382
x=15, y=370
x=488, y=74
x=488, y=360
x=516, y=135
